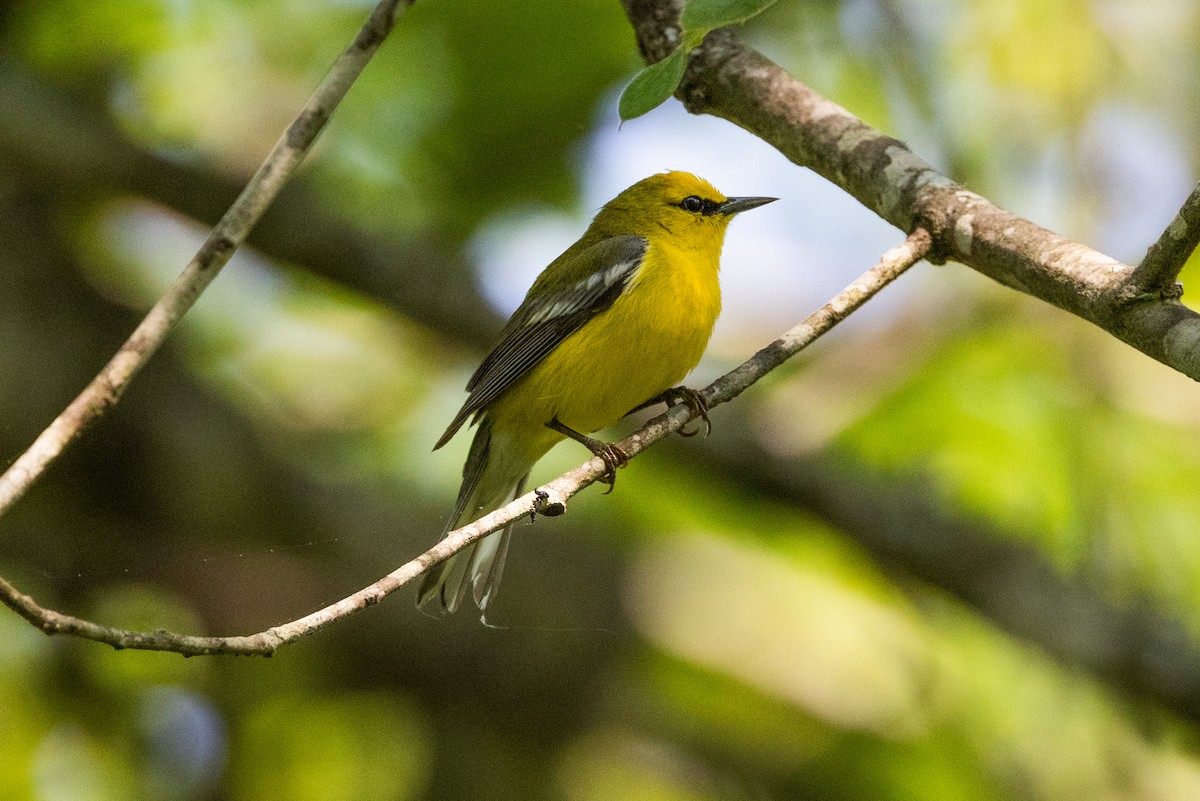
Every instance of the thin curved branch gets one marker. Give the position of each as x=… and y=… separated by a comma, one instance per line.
x=550, y=496
x=727, y=79
x=108, y=386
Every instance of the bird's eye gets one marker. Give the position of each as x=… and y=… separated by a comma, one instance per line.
x=692, y=203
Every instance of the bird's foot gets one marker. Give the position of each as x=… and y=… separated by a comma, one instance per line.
x=611, y=454
x=696, y=405
x=613, y=457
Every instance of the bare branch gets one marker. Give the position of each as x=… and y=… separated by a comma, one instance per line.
x=264, y=643
x=551, y=495
x=1157, y=273
x=107, y=387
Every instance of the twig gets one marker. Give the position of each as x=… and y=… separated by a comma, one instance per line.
x=554, y=493
x=1157, y=273
x=108, y=386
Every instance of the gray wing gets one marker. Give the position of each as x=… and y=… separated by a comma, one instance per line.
x=541, y=323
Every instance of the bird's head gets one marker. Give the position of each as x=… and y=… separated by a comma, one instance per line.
x=677, y=204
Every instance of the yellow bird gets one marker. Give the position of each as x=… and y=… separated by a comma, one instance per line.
x=613, y=324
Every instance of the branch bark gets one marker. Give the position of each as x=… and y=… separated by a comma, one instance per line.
x=729, y=80
x=1166, y=257
x=553, y=495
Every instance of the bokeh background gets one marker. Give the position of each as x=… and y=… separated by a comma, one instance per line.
x=726, y=625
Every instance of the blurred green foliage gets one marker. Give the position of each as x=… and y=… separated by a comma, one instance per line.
x=345, y=746
x=693, y=636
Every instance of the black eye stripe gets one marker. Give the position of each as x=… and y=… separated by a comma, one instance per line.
x=699, y=205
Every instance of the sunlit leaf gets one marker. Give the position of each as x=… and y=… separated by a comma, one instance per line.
x=653, y=85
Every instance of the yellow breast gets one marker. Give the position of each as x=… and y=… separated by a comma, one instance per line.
x=646, y=342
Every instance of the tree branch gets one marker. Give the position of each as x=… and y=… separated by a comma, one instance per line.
x=729, y=80
x=1157, y=273
x=107, y=387
x=553, y=495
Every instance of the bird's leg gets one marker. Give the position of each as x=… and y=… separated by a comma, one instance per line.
x=612, y=454
x=690, y=397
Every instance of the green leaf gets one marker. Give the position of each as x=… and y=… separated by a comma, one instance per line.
x=705, y=15
x=652, y=86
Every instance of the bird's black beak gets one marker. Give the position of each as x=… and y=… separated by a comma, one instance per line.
x=735, y=205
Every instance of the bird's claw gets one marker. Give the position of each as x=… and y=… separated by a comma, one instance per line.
x=613, y=457
x=696, y=405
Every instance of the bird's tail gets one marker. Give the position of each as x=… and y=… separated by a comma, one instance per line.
x=489, y=480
